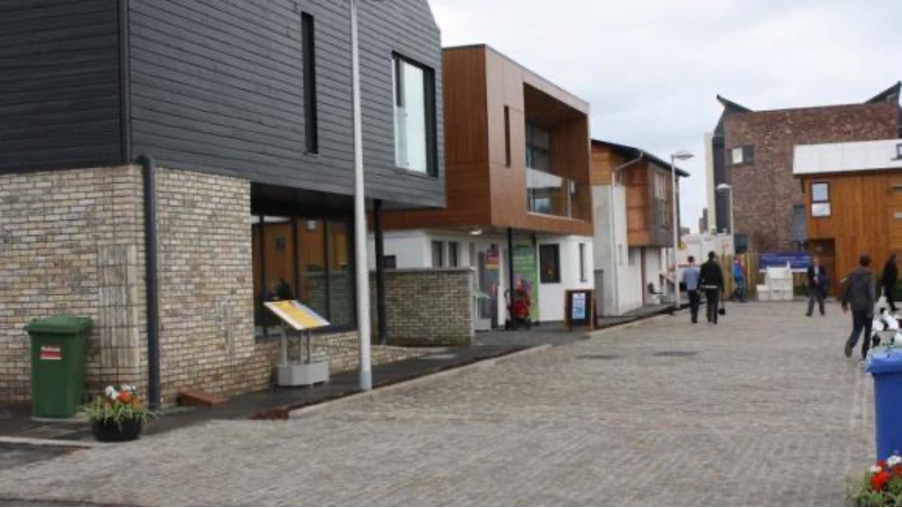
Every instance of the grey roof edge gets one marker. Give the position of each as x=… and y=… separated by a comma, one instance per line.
x=891, y=94
x=728, y=104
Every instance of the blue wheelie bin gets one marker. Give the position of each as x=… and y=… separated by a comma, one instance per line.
x=886, y=367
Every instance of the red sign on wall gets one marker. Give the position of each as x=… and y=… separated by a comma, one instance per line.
x=52, y=353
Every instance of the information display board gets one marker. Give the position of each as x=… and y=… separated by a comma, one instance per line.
x=296, y=315
x=579, y=308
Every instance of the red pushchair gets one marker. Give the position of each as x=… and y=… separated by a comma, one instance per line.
x=519, y=311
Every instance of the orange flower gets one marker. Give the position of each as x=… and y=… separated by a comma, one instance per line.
x=879, y=480
x=125, y=397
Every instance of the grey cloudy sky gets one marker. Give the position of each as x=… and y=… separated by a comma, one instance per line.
x=651, y=69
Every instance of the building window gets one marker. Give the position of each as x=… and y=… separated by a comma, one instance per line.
x=582, y=263
x=304, y=259
x=311, y=122
x=820, y=199
x=742, y=155
x=415, y=141
x=453, y=254
x=507, y=136
x=543, y=188
x=438, y=254
x=662, y=210
x=899, y=150
x=550, y=263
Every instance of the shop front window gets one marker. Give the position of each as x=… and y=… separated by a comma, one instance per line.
x=306, y=259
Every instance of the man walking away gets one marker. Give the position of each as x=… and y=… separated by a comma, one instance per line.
x=888, y=281
x=817, y=285
x=690, y=280
x=739, y=281
x=711, y=280
x=859, y=292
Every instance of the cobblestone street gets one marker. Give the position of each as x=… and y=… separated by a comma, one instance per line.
x=762, y=409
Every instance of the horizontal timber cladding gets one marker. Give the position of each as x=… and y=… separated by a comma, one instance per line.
x=218, y=86
x=59, y=83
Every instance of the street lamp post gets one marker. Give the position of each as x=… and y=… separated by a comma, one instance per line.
x=679, y=155
x=360, y=233
x=725, y=187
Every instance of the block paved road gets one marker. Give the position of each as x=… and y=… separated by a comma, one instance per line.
x=762, y=409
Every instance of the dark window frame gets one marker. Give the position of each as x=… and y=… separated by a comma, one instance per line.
x=552, y=276
x=748, y=155
x=311, y=114
x=582, y=263
x=453, y=254
x=438, y=249
x=430, y=106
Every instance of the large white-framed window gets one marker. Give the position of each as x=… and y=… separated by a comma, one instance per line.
x=415, y=138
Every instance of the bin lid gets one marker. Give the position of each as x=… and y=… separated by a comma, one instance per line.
x=60, y=325
x=888, y=361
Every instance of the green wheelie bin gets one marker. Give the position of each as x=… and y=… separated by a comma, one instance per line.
x=58, y=365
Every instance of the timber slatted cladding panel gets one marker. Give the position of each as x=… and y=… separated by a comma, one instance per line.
x=59, y=84
x=487, y=102
x=862, y=217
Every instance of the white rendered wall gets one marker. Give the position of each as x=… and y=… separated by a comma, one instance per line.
x=610, y=248
x=551, y=296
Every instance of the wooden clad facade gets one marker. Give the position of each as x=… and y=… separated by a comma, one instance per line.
x=649, y=192
x=488, y=101
x=865, y=218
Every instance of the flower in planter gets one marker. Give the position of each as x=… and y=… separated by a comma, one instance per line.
x=881, y=485
x=118, y=404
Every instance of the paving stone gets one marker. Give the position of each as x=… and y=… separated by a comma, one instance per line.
x=767, y=411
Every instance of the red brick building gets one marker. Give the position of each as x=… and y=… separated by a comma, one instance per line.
x=752, y=151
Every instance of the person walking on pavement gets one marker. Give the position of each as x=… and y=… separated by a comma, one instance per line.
x=711, y=280
x=739, y=281
x=817, y=285
x=888, y=281
x=858, y=292
x=690, y=280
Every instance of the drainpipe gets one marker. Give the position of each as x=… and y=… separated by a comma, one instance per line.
x=510, y=277
x=379, y=235
x=615, y=272
x=152, y=283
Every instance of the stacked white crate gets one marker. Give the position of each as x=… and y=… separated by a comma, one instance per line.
x=777, y=284
x=779, y=281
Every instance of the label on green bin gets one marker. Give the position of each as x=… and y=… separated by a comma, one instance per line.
x=51, y=353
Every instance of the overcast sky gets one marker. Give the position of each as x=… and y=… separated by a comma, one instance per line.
x=651, y=69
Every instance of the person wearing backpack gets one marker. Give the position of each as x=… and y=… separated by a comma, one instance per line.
x=859, y=293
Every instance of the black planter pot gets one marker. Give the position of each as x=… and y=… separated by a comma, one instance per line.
x=109, y=430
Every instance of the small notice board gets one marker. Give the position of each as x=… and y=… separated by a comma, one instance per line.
x=296, y=315
x=579, y=308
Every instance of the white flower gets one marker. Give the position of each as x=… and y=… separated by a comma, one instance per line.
x=110, y=392
x=893, y=460
x=876, y=469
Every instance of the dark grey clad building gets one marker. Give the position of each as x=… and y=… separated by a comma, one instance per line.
x=168, y=165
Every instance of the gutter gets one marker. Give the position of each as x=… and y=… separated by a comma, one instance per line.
x=152, y=283
x=615, y=271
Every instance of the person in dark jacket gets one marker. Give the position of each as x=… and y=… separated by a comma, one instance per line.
x=888, y=281
x=711, y=280
x=859, y=293
x=817, y=285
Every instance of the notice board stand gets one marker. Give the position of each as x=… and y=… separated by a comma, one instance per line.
x=579, y=308
x=305, y=371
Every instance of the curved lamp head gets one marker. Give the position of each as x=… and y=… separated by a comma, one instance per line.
x=681, y=155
